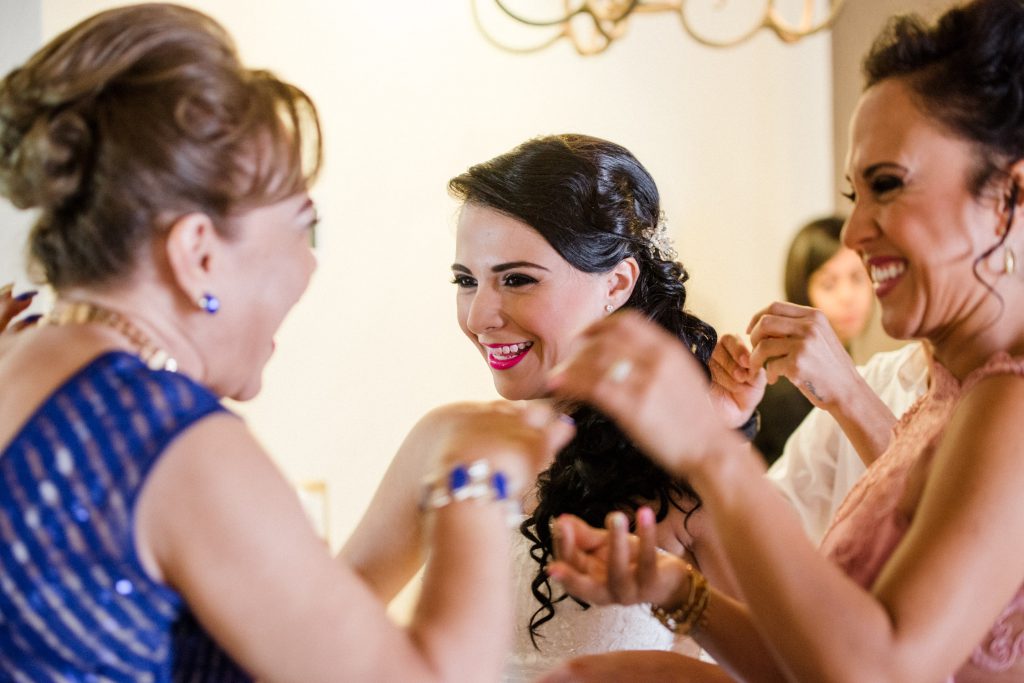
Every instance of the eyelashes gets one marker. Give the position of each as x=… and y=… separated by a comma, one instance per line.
x=517, y=280
x=879, y=185
x=512, y=280
x=883, y=184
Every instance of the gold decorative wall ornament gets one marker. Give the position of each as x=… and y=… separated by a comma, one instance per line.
x=593, y=25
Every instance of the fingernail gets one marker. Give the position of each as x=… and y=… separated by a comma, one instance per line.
x=645, y=515
x=6, y=290
x=25, y=296
x=567, y=419
x=30, y=319
x=618, y=520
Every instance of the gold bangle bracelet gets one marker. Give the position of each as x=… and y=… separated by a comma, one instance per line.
x=689, y=616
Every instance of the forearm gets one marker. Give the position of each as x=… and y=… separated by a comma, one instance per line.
x=728, y=635
x=466, y=597
x=865, y=420
x=785, y=581
x=387, y=547
x=387, y=552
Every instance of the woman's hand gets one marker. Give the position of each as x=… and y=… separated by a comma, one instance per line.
x=797, y=342
x=643, y=378
x=610, y=565
x=519, y=439
x=737, y=387
x=12, y=306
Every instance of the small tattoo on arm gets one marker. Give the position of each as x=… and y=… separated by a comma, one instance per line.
x=814, y=392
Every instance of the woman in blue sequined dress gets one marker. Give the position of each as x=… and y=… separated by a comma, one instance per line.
x=144, y=533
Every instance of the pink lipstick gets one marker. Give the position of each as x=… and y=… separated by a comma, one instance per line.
x=506, y=356
x=886, y=272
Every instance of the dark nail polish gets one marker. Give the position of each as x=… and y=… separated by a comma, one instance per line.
x=25, y=296
x=31, y=319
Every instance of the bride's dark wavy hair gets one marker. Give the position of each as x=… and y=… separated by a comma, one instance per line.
x=596, y=205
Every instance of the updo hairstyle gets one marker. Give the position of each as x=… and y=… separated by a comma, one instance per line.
x=596, y=205
x=138, y=116
x=967, y=72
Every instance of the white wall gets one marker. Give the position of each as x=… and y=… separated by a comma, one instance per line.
x=20, y=34
x=739, y=141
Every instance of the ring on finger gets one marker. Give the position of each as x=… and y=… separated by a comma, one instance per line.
x=619, y=370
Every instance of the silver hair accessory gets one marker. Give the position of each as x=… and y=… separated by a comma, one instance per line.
x=658, y=241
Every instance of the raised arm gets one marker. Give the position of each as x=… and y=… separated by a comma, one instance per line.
x=895, y=631
x=253, y=571
x=798, y=343
x=819, y=466
x=388, y=545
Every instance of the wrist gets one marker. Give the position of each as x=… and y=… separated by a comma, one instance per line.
x=849, y=398
x=685, y=610
x=510, y=464
x=719, y=465
x=474, y=481
x=751, y=426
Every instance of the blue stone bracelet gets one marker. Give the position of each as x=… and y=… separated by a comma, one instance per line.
x=472, y=481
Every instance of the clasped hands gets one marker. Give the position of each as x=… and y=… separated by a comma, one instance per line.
x=641, y=377
x=787, y=340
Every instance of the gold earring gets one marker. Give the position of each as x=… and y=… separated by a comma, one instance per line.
x=1009, y=261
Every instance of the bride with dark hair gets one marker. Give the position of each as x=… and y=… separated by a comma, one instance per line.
x=553, y=235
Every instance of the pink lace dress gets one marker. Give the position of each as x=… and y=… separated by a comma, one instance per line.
x=870, y=523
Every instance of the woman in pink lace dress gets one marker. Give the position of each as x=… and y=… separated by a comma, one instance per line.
x=921, y=576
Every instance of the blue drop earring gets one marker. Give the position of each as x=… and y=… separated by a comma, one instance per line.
x=209, y=303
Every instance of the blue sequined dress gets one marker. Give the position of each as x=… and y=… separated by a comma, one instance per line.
x=76, y=603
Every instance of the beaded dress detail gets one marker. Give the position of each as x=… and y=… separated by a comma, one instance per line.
x=870, y=523
x=575, y=631
x=76, y=603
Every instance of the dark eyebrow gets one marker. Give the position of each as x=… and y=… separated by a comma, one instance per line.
x=501, y=267
x=871, y=170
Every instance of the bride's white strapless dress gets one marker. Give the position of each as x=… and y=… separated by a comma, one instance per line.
x=575, y=631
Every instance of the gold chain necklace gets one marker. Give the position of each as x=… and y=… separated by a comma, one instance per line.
x=82, y=312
